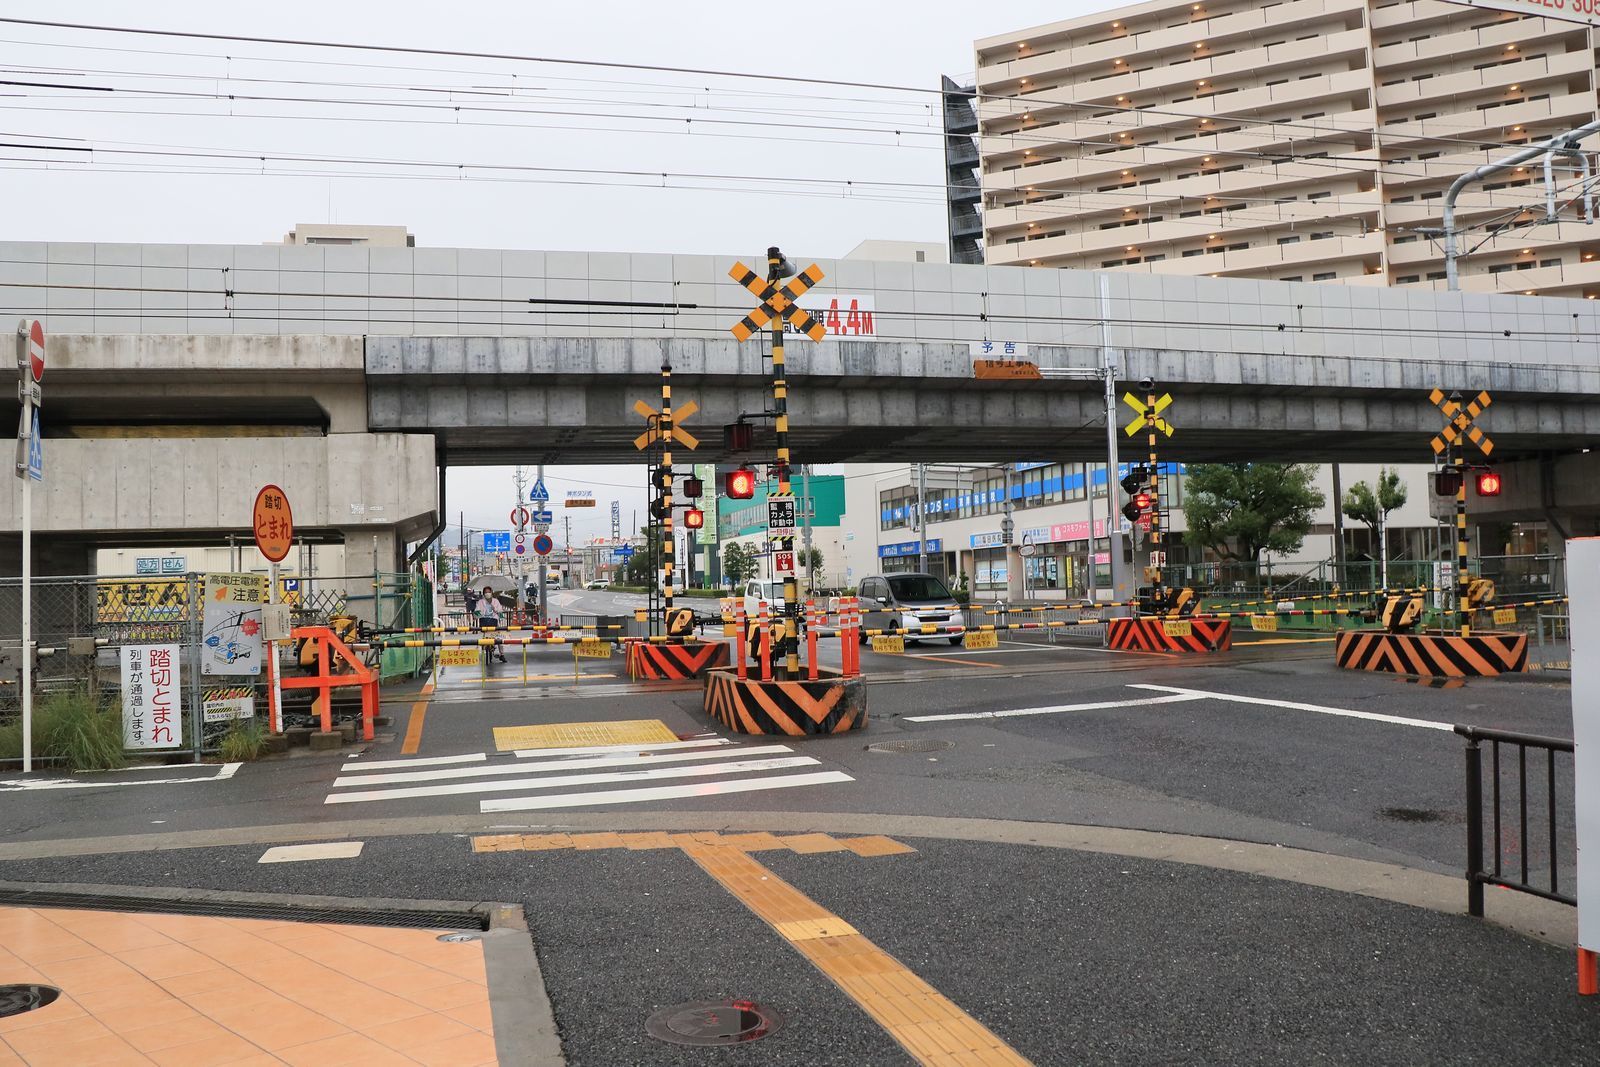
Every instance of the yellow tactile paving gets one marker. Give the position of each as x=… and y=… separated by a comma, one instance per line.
x=582, y=734
x=178, y=990
x=808, y=843
x=925, y=1022
x=876, y=845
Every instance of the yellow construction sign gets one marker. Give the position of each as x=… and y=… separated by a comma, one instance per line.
x=1264, y=623
x=891, y=645
x=981, y=639
x=592, y=648
x=459, y=657
x=1177, y=627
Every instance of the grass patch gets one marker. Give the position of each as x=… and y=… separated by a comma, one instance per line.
x=245, y=740
x=72, y=727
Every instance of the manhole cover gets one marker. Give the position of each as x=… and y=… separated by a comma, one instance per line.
x=1412, y=814
x=714, y=1022
x=17, y=999
x=460, y=935
x=915, y=744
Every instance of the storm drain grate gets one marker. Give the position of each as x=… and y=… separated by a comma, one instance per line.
x=915, y=744
x=714, y=1022
x=225, y=908
x=19, y=999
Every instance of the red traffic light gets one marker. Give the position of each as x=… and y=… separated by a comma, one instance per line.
x=741, y=484
x=692, y=488
x=1141, y=501
x=694, y=518
x=1489, y=484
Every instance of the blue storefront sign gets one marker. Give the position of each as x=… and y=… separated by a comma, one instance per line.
x=909, y=548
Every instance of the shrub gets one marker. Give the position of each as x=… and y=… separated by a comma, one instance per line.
x=71, y=726
x=245, y=740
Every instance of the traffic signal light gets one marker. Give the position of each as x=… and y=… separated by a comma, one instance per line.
x=1135, y=508
x=1446, y=483
x=692, y=488
x=694, y=518
x=741, y=484
x=1134, y=479
x=1489, y=484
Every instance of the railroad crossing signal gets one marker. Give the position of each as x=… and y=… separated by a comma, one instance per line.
x=777, y=303
x=653, y=417
x=1139, y=410
x=1460, y=424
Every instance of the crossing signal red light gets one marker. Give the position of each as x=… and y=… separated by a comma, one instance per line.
x=692, y=488
x=694, y=518
x=741, y=484
x=1141, y=501
x=1489, y=484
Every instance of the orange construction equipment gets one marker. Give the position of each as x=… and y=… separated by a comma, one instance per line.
x=328, y=646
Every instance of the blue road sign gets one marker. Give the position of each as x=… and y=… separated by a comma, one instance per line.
x=543, y=516
x=626, y=551
x=291, y=585
x=542, y=544
x=35, y=451
x=539, y=492
x=497, y=541
x=618, y=556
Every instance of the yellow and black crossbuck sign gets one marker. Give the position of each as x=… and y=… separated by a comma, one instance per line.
x=1139, y=408
x=777, y=303
x=1460, y=424
x=653, y=417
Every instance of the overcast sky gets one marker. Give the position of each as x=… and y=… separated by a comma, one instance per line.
x=178, y=146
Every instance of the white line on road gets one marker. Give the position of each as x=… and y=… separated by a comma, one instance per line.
x=224, y=772
x=1056, y=709
x=420, y=761
x=563, y=780
x=330, y=850
x=665, y=792
x=594, y=750
x=1201, y=694
x=557, y=766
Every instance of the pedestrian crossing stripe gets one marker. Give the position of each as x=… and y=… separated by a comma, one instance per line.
x=584, y=776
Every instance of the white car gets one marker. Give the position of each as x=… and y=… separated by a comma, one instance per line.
x=599, y=583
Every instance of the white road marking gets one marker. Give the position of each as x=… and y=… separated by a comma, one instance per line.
x=420, y=761
x=1057, y=709
x=1371, y=716
x=590, y=750
x=558, y=765
x=560, y=781
x=332, y=850
x=226, y=771
x=666, y=792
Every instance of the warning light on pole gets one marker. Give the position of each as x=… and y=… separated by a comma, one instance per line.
x=741, y=484
x=694, y=518
x=692, y=488
x=1489, y=484
x=1137, y=508
x=1136, y=477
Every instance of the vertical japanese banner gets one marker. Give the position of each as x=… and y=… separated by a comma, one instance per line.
x=230, y=625
x=152, y=698
x=707, y=473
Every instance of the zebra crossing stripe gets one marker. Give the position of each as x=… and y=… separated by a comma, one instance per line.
x=556, y=765
x=560, y=781
x=653, y=746
x=665, y=792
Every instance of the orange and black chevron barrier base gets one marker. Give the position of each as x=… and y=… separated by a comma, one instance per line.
x=829, y=705
x=665, y=662
x=1153, y=634
x=1483, y=654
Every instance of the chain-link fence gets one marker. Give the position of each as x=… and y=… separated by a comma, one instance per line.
x=80, y=626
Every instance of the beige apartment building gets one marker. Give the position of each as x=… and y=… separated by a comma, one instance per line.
x=1296, y=140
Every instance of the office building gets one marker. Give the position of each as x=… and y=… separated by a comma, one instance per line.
x=1302, y=140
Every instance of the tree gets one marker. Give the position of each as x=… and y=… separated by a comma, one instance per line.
x=738, y=563
x=645, y=562
x=1364, y=504
x=1239, y=510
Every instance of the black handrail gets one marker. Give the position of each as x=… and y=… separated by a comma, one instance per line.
x=1477, y=876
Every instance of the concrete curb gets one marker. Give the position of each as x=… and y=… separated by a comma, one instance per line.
x=1525, y=914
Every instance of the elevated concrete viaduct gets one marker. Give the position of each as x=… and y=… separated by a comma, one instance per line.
x=352, y=372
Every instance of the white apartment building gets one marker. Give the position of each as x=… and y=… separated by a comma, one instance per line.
x=1297, y=140
x=1052, y=510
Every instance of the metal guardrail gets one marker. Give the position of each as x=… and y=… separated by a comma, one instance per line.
x=1477, y=875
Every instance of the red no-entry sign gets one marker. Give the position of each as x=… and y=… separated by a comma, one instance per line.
x=36, y=349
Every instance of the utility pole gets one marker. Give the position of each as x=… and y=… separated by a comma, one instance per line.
x=521, y=477
x=466, y=571
x=544, y=571
x=1338, y=527
x=776, y=267
x=1120, y=589
x=805, y=525
x=1088, y=489
x=922, y=517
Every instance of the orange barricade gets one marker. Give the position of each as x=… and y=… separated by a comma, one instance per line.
x=766, y=641
x=812, y=625
x=328, y=645
x=740, y=652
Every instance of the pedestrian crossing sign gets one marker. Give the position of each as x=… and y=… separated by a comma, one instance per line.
x=35, y=451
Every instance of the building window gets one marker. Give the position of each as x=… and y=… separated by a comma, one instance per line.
x=1325, y=276
x=1409, y=279
x=1291, y=240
